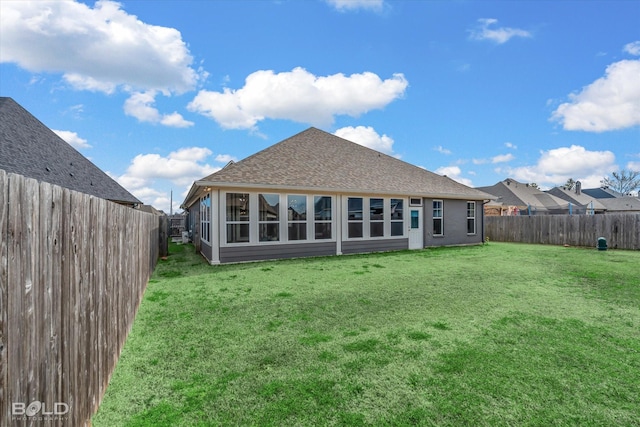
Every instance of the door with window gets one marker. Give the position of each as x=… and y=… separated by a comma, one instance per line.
x=415, y=229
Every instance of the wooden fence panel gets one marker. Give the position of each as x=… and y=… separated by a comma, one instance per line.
x=73, y=269
x=622, y=231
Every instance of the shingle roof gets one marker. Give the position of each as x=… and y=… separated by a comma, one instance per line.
x=29, y=148
x=581, y=198
x=315, y=159
x=514, y=193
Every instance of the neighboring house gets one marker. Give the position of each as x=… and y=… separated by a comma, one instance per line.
x=29, y=148
x=515, y=198
x=316, y=194
x=581, y=203
x=626, y=204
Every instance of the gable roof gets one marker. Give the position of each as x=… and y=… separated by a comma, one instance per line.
x=581, y=198
x=315, y=160
x=513, y=193
x=602, y=193
x=29, y=148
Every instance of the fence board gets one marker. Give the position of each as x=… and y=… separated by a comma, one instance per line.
x=73, y=269
x=4, y=397
x=622, y=231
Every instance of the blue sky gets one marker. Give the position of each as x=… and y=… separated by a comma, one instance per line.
x=161, y=93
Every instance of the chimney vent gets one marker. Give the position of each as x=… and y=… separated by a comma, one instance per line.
x=578, y=187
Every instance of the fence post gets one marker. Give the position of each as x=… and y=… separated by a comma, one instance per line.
x=163, y=229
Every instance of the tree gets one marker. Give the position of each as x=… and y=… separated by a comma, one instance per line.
x=624, y=181
x=534, y=185
x=570, y=184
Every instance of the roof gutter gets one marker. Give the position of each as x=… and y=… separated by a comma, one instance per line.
x=301, y=188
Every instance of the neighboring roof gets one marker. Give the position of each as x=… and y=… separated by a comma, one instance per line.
x=622, y=204
x=581, y=199
x=513, y=193
x=602, y=193
x=317, y=160
x=29, y=148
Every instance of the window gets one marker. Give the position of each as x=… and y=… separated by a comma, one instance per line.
x=205, y=218
x=415, y=201
x=354, y=218
x=376, y=217
x=322, y=217
x=297, y=217
x=269, y=217
x=438, y=229
x=415, y=219
x=471, y=217
x=237, y=217
x=397, y=218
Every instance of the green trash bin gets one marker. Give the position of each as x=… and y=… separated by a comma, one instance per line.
x=602, y=244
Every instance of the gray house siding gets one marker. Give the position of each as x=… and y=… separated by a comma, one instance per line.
x=266, y=252
x=382, y=245
x=205, y=249
x=454, y=224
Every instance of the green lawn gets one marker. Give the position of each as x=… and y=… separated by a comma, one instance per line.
x=500, y=334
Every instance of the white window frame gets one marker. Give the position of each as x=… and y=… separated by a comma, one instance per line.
x=441, y=217
x=252, y=212
x=205, y=218
x=471, y=203
x=404, y=216
x=366, y=217
x=323, y=221
x=260, y=222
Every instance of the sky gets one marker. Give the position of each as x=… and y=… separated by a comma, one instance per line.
x=160, y=93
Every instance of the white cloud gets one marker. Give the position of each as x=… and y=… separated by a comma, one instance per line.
x=511, y=145
x=368, y=137
x=72, y=138
x=454, y=173
x=499, y=35
x=100, y=48
x=556, y=166
x=611, y=102
x=502, y=158
x=345, y=5
x=140, y=106
x=226, y=158
x=634, y=166
x=440, y=149
x=632, y=48
x=298, y=96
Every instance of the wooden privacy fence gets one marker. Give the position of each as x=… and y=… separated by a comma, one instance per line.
x=73, y=269
x=622, y=231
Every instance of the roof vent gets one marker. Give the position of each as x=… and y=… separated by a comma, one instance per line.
x=578, y=187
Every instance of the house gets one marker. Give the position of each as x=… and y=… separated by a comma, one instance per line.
x=316, y=194
x=515, y=198
x=624, y=204
x=29, y=148
x=580, y=202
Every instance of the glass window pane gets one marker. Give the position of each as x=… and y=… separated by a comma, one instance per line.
x=237, y=207
x=355, y=229
x=437, y=227
x=471, y=226
x=377, y=229
x=355, y=209
x=297, y=207
x=269, y=232
x=396, y=209
x=323, y=230
x=268, y=207
x=237, y=233
x=376, y=209
x=297, y=231
x=415, y=219
x=397, y=228
x=322, y=207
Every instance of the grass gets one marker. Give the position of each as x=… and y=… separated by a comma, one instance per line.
x=494, y=335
